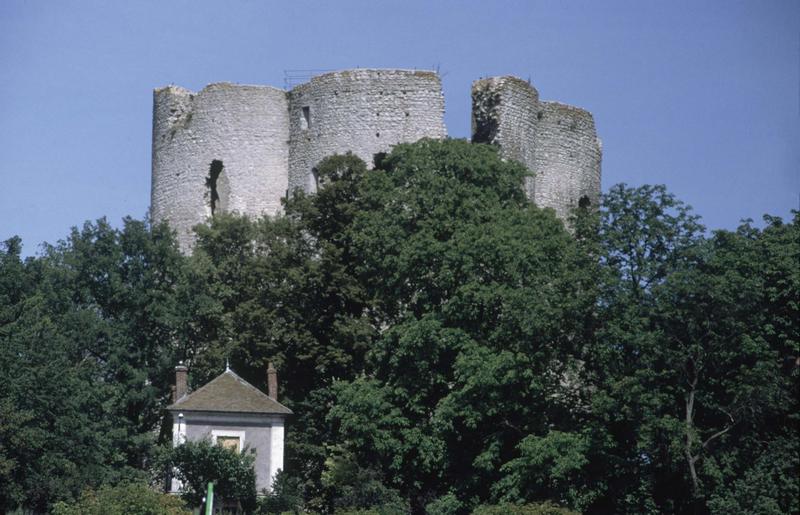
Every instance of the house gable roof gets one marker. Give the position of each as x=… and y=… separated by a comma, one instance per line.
x=229, y=393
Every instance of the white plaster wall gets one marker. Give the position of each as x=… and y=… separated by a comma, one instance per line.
x=178, y=437
x=276, y=451
x=258, y=435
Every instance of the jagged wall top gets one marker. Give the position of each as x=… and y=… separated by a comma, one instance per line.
x=557, y=142
x=241, y=148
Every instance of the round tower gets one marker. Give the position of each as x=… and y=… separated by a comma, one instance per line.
x=222, y=149
x=362, y=111
x=567, y=159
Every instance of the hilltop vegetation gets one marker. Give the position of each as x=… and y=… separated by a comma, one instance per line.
x=445, y=346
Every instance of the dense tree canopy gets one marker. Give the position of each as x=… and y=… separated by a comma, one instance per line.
x=444, y=344
x=85, y=351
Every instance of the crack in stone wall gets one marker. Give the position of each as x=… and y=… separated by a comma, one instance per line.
x=217, y=188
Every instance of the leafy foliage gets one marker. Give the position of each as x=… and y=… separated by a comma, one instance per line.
x=522, y=509
x=445, y=346
x=84, y=352
x=195, y=464
x=286, y=495
x=123, y=499
x=471, y=349
x=551, y=464
x=358, y=488
x=691, y=382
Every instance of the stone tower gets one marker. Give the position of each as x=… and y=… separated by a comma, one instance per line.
x=557, y=142
x=239, y=148
x=222, y=149
x=361, y=111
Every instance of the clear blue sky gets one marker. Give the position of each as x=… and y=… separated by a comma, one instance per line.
x=701, y=96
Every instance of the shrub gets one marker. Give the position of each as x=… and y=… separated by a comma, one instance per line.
x=127, y=498
x=198, y=463
x=445, y=505
x=545, y=508
x=286, y=496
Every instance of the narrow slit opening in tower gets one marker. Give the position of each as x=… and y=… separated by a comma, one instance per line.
x=214, y=171
x=305, y=121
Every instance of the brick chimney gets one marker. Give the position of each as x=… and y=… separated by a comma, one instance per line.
x=180, y=382
x=272, y=382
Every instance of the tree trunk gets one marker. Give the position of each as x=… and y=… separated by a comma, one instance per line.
x=689, y=427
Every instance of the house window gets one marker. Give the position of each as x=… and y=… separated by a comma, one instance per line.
x=228, y=439
x=228, y=442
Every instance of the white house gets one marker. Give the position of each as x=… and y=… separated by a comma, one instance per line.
x=231, y=412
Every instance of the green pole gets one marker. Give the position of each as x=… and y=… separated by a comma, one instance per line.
x=210, y=499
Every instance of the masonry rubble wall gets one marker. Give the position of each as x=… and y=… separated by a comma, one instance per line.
x=240, y=148
x=567, y=159
x=558, y=143
x=360, y=111
x=244, y=129
x=504, y=113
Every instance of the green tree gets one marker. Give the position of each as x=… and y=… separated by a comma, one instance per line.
x=480, y=299
x=126, y=498
x=522, y=509
x=196, y=464
x=305, y=311
x=285, y=496
x=85, y=350
x=549, y=466
x=358, y=488
x=445, y=345
x=690, y=373
x=644, y=235
x=283, y=290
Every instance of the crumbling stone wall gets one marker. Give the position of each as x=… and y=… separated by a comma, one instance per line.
x=222, y=148
x=504, y=113
x=567, y=159
x=557, y=142
x=240, y=148
x=362, y=111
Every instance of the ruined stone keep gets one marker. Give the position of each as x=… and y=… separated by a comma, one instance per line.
x=241, y=148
